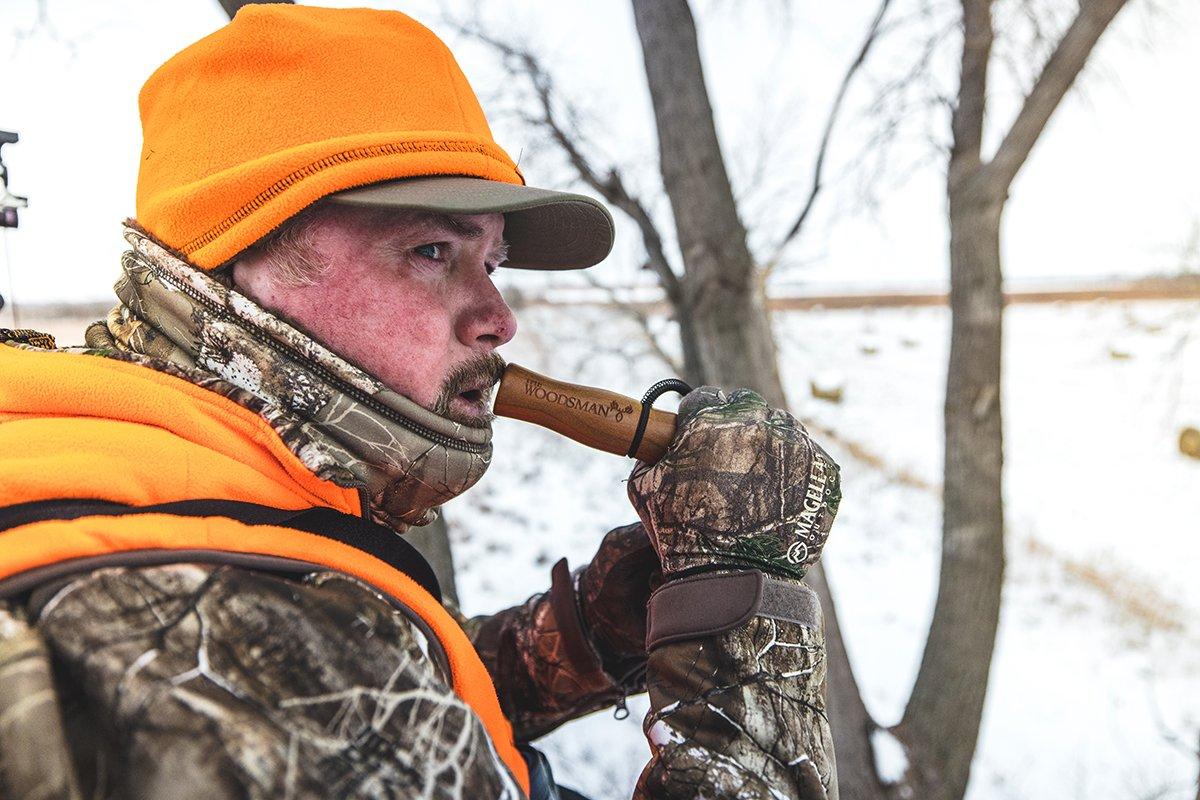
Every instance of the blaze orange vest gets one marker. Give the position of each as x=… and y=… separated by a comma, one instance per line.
x=93, y=428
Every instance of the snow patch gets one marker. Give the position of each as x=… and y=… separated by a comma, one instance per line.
x=662, y=734
x=891, y=759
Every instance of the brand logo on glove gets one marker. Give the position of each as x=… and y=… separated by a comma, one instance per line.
x=613, y=409
x=797, y=552
x=814, y=501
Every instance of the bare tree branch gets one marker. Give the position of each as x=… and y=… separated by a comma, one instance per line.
x=971, y=108
x=830, y=121
x=1175, y=739
x=42, y=24
x=641, y=318
x=908, y=101
x=1040, y=23
x=1056, y=77
x=524, y=63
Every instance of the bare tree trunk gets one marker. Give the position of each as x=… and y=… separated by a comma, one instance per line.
x=693, y=363
x=941, y=722
x=720, y=294
x=852, y=725
x=727, y=310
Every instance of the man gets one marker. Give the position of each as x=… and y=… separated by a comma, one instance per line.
x=205, y=590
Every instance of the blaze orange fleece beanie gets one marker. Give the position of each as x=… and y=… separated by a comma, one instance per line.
x=287, y=104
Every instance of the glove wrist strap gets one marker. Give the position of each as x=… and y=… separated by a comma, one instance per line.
x=714, y=602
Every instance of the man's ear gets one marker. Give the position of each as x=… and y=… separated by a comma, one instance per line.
x=251, y=274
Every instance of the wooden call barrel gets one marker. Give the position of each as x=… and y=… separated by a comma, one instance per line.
x=594, y=417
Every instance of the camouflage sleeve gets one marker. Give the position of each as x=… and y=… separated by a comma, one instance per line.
x=740, y=712
x=187, y=681
x=34, y=760
x=579, y=647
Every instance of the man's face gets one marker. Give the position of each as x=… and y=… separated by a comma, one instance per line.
x=406, y=296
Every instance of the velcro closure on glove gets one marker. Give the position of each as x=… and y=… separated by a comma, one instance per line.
x=711, y=603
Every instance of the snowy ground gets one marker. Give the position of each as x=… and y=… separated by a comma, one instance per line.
x=1094, y=687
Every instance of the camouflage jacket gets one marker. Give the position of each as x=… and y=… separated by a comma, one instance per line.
x=188, y=681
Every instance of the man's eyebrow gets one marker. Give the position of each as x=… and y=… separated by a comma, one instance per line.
x=444, y=223
x=434, y=222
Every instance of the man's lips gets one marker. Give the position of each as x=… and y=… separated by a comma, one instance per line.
x=475, y=399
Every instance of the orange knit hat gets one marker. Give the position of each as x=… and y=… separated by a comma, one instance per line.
x=288, y=104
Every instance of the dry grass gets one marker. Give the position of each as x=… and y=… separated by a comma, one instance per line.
x=1135, y=599
x=865, y=455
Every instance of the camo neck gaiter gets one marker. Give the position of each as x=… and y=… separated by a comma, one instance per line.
x=343, y=424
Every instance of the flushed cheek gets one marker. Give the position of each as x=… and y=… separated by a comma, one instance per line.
x=402, y=341
x=407, y=353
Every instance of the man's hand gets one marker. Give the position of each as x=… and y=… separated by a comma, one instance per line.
x=742, y=486
x=578, y=647
x=613, y=592
x=744, y=498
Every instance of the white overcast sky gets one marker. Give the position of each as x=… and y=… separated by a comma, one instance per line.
x=1113, y=187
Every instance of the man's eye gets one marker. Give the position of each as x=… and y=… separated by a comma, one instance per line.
x=423, y=251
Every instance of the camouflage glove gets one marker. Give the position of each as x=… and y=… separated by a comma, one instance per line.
x=742, y=486
x=613, y=591
x=578, y=647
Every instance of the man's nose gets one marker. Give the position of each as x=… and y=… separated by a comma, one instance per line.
x=486, y=318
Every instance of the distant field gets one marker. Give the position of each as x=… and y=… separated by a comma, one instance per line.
x=797, y=298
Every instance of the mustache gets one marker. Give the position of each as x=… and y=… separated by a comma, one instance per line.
x=484, y=370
